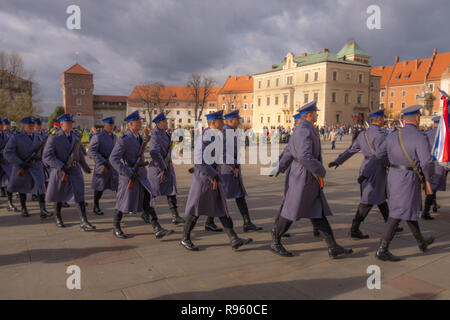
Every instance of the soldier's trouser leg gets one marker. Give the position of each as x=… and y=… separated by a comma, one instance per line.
x=243, y=209
x=334, y=250
x=11, y=206
x=23, y=204
x=384, y=209
x=361, y=214
x=117, y=230
x=236, y=242
x=172, y=201
x=211, y=226
x=280, y=227
x=84, y=223
x=415, y=230
x=149, y=211
x=189, y=225
x=427, y=206
x=97, y=196
x=435, y=204
x=59, y=222
x=43, y=211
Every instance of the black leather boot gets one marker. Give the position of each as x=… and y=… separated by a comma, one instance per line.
x=423, y=243
x=3, y=192
x=280, y=227
x=426, y=209
x=43, y=210
x=59, y=222
x=11, y=206
x=23, y=204
x=145, y=216
x=243, y=209
x=84, y=223
x=236, y=242
x=117, y=231
x=335, y=250
x=96, y=209
x=384, y=254
x=34, y=197
x=211, y=226
x=176, y=219
x=65, y=205
x=160, y=232
x=361, y=214
x=188, y=227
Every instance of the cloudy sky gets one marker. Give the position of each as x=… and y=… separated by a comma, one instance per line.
x=125, y=43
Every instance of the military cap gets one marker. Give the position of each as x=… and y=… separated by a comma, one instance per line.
x=215, y=115
x=66, y=117
x=108, y=120
x=37, y=120
x=159, y=117
x=412, y=110
x=6, y=121
x=231, y=114
x=376, y=113
x=296, y=116
x=133, y=116
x=311, y=106
x=1, y=121
x=436, y=119
x=27, y=120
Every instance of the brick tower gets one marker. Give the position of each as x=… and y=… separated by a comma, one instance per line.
x=77, y=86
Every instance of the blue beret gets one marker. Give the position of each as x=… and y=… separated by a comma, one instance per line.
x=412, y=110
x=311, y=106
x=27, y=120
x=133, y=116
x=159, y=117
x=108, y=120
x=65, y=117
x=232, y=114
x=215, y=115
x=376, y=113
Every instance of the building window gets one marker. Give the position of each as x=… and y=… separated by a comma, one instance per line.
x=347, y=76
x=189, y=112
x=404, y=93
x=338, y=118
x=259, y=84
x=316, y=96
x=268, y=101
x=334, y=75
x=381, y=105
x=391, y=105
x=248, y=119
x=78, y=114
x=279, y=118
x=223, y=107
x=75, y=91
x=371, y=84
x=82, y=92
x=403, y=105
x=276, y=100
x=245, y=106
x=189, y=120
x=232, y=107
x=78, y=102
x=178, y=112
x=359, y=99
x=277, y=82
x=262, y=119
x=268, y=120
x=431, y=86
x=361, y=78
x=245, y=97
x=306, y=77
x=285, y=99
x=179, y=120
x=259, y=102
x=252, y=106
x=305, y=98
x=382, y=93
x=189, y=104
x=316, y=76
x=392, y=93
x=268, y=83
x=333, y=97
x=346, y=98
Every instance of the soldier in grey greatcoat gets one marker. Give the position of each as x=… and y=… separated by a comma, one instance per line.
x=4, y=164
x=439, y=182
x=24, y=151
x=134, y=193
x=408, y=152
x=38, y=131
x=373, y=191
x=105, y=176
x=62, y=153
x=304, y=197
x=206, y=196
x=161, y=173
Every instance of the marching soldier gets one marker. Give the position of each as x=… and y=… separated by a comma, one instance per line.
x=439, y=181
x=104, y=176
x=161, y=173
x=231, y=175
x=373, y=191
x=43, y=134
x=5, y=165
x=134, y=192
x=62, y=153
x=304, y=197
x=23, y=151
x=206, y=196
x=407, y=151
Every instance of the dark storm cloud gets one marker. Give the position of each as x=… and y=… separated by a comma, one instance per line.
x=129, y=42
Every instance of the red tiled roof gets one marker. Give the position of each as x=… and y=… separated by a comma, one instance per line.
x=104, y=98
x=238, y=84
x=77, y=69
x=179, y=93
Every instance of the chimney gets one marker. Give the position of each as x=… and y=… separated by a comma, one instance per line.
x=405, y=63
x=381, y=68
x=324, y=50
x=236, y=78
x=417, y=65
x=304, y=54
x=249, y=77
x=397, y=58
x=434, y=51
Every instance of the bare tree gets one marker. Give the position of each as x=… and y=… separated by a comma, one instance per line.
x=153, y=96
x=230, y=100
x=200, y=88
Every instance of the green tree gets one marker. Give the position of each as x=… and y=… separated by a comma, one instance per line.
x=59, y=111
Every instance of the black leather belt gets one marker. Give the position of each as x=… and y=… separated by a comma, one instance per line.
x=399, y=166
x=368, y=158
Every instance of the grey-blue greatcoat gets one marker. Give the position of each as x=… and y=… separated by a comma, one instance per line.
x=122, y=158
x=202, y=199
x=5, y=165
x=232, y=186
x=56, y=153
x=17, y=150
x=404, y=188
x=373, y=189
x=160, y=145
x=439, y=181
x=304, y=197
x=99, y=150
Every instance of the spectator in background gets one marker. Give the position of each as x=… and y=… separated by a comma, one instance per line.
x=333, y=138
x=92, y=133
